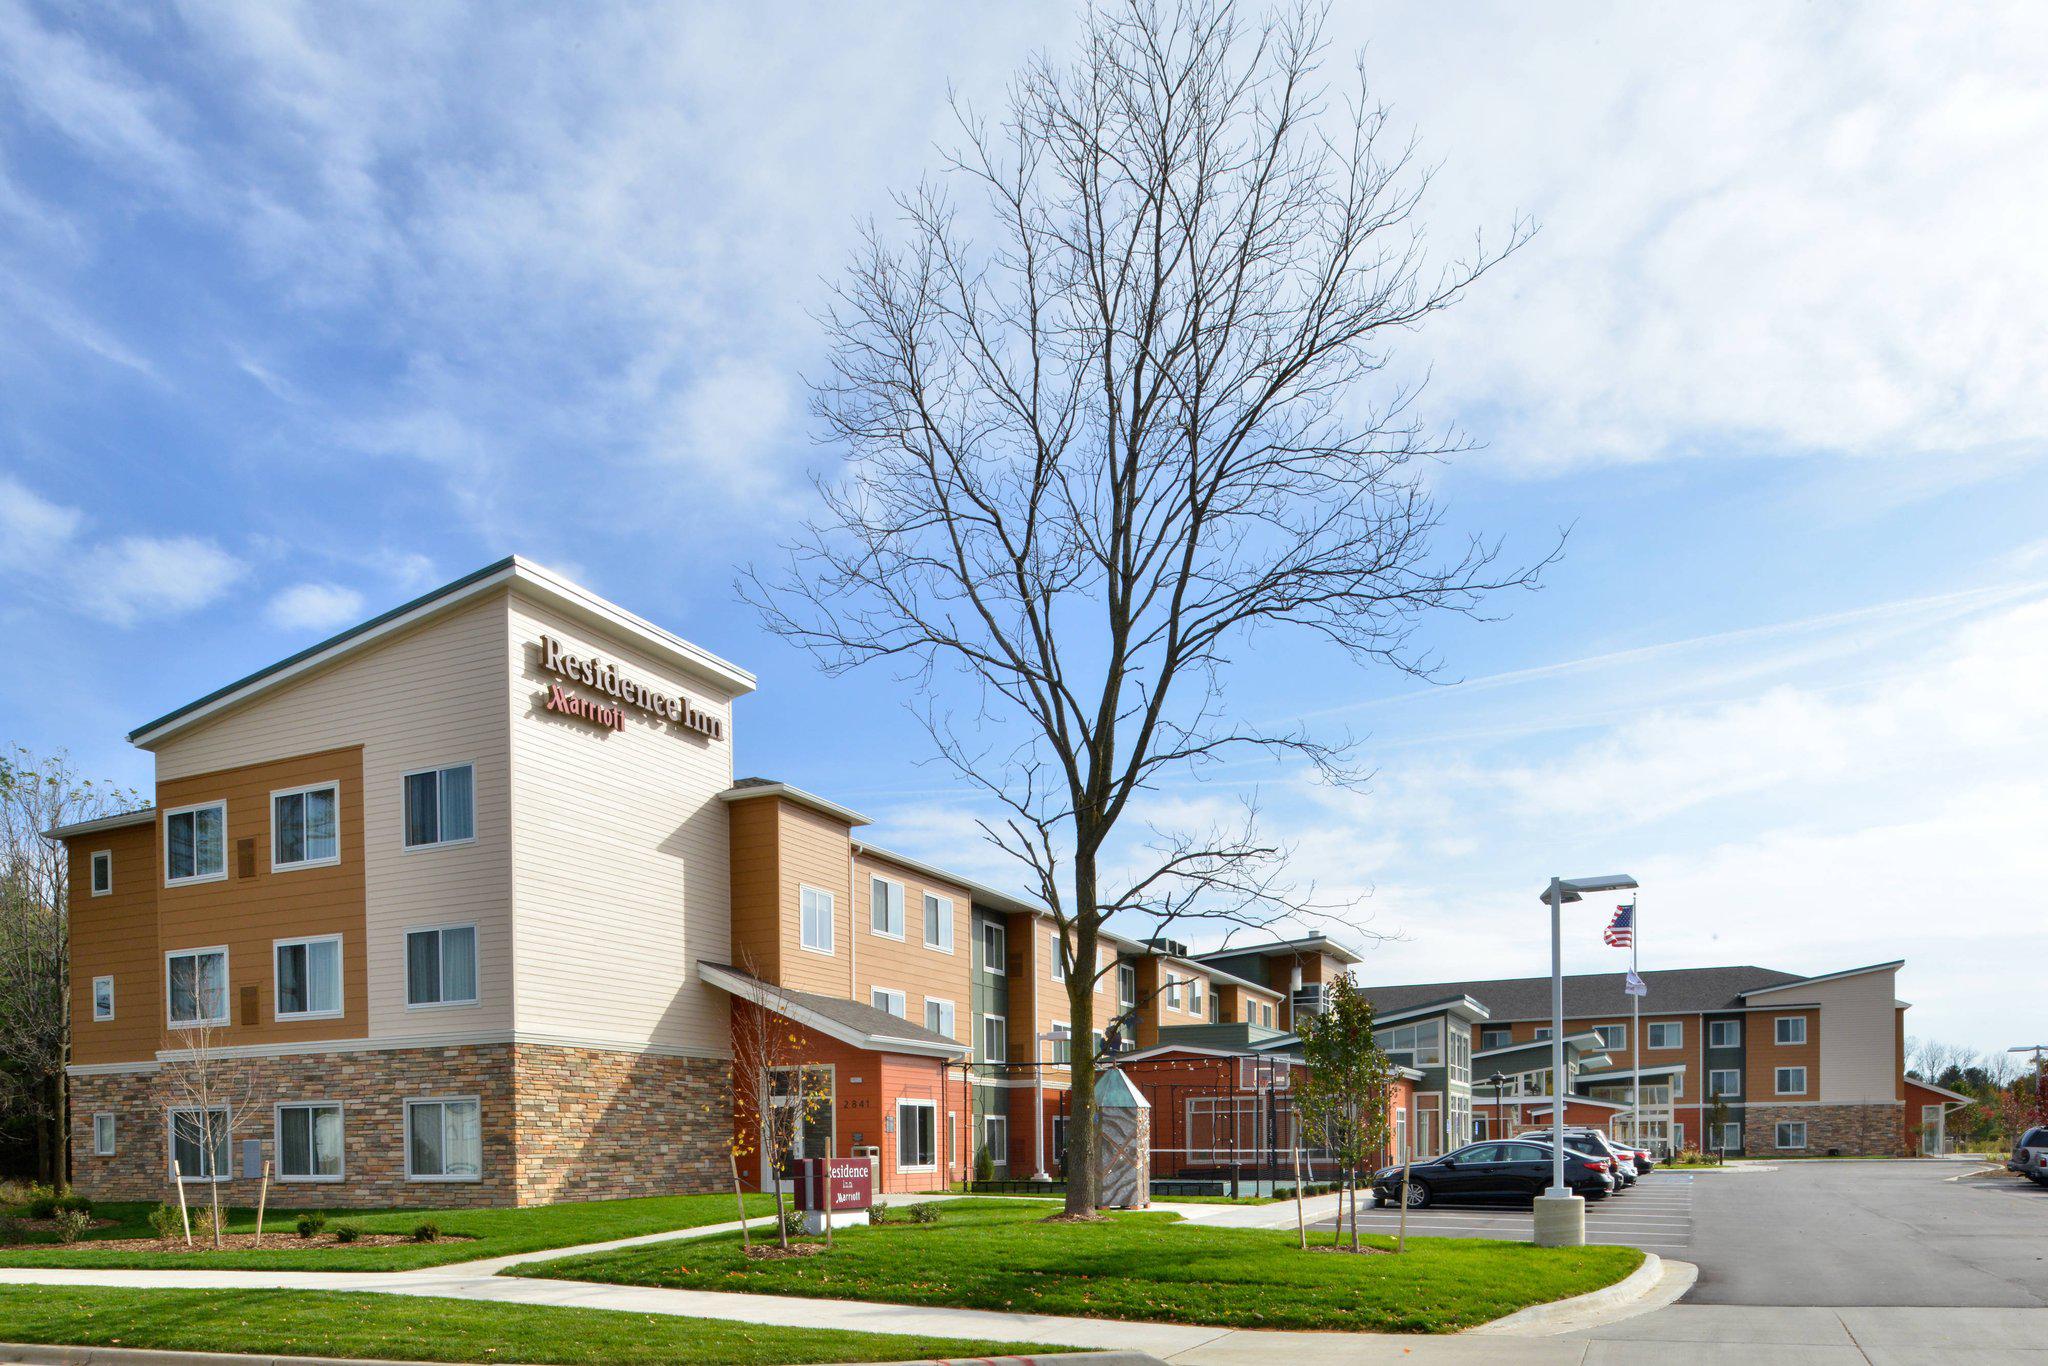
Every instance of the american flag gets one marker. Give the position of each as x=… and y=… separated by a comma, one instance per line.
x=1621, y=930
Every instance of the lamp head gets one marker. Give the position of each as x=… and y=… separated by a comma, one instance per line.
x=1575, y=888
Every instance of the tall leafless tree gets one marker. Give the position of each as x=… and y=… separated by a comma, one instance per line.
x=39, y=794
x=1117, y=400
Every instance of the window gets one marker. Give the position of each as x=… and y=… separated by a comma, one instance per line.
x=917, y=1135
x=1059, y=956
x=197, y=987
x=195, y=844
x=102, y=872
x=1172, y=992
x=443, y=1140
x=440, y=806
x=1792, y=1029
x=102, y=998
x=1479, y=1128
x=1266, y=1010
x=995, y=1136
x=1062, y=1042
x=102, y=1135
x=304, y=832
x=938, y=1016
x=1127, y=985
x=309, y=1142
x=995, y=1039
x=1496, y=1037
x=1542, y=1033
x=1791, y=1133
x=1791, y=1081
x=885, y=907
x=199, y=1143
x=1194, y=996
x=1613, y=1038
x=1724, y=1082
x=938, y=922
x=308, y=978
x=1425, y=1042
x=440, y=966
x=1724, y=1034
x=992, y=948
x=1665, y=1034
x=882, y=998
x=1059, y=1141
x=817, y=920
x=1731, y=1137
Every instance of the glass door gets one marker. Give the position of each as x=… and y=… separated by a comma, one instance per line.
x=809, y=1091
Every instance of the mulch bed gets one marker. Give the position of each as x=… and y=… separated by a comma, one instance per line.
x=50, y=1225
x=240, y=1242
x=1363, y=1250
x=775, y=1252
x=1064, y=1218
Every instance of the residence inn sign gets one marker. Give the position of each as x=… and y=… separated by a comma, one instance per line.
x=604, y=676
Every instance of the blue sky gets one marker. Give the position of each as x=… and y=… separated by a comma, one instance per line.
x=306, y=308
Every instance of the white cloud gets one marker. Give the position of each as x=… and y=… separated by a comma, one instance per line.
x=315, y=607
x=135, y=578
x=33, y=530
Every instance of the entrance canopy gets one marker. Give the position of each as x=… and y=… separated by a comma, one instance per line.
x=849, y=1022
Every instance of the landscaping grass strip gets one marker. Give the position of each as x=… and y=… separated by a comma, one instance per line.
x=999, y=1254
x=470, y=1234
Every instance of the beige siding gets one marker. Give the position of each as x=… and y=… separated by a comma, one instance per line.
x=907, y=965
x=815, y=850
x=434, y=696
x=1858, y=1052
x=620, y=856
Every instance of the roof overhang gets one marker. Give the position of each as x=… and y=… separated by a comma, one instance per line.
x=796, y=796
x=513, y=572
x=1463, y=1006
x=770, y=997
x=145, y=816
x=1956, y=1096
x=1893, y=966
x=1315, y=943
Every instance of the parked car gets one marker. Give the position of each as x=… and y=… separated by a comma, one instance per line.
x=1597, y=1144
x=1505, y=1169
x=1644, y=1161
x=2030, y=1154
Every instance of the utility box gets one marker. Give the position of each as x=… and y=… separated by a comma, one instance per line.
x=1123, y=1143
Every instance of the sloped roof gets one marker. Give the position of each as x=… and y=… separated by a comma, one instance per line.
x=863, y=1026
x=1676, y=990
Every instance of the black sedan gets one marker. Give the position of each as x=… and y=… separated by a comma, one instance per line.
x=1514, y=1169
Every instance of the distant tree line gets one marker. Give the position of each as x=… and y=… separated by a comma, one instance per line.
x=2007, y=1094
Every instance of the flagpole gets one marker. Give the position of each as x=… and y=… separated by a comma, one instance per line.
x=1635, y=1024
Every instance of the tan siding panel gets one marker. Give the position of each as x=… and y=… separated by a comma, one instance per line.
x=116, y=934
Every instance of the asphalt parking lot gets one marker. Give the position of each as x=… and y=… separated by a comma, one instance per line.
x=1814, y=1233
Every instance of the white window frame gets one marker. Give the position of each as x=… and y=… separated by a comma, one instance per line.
x=1002, y=1037
x=828, y=904
x=171, y=1142
x=996, y=936
x=1733, y=1126
x=103, y=1146
x=1620, y=1030
x=1671, y=1031
x=1542, y=1034
x=1713, y=1090
x=892, y=907
x=101, y=858
x=905, y=1103
x=1194, y=996
x=943, y=907
x=1126, y=972
x=405, y=843
x=1715, y=1029
x=1778, y=1134
x=477, y=945
x=108, y=978
x=277, y=1139
x=221, y=805
x=227, y=988
x=1778, y=1081
x=1058, y=960
x=890, y=1001
x=951, y=1013
x=1172, y=991
x=331, y=785
x=1778, y=1031
x=1506, y=1037
x=406, y=1137
x=277, y=1011
x=998, y=1153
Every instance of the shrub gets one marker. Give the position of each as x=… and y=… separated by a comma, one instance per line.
x=11, y=1230
x=72, y=1224
x=793, y=1223
x=926, y=1213
x=984, y=1164
x=164, y=1222
x=346, y=1233
x=202, y=1224
x=310, y=1223
x=881, y=1214
x=72, y=1200
x=41, y=1202
x=429, y=1232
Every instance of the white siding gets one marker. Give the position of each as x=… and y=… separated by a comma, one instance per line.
x=434, y=696
x=620, y=857
x=1859, y=1060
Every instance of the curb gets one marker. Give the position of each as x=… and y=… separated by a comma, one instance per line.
x=58, y=1354
x=1654, y=1284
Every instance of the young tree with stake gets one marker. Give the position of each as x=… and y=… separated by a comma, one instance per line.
x=1344, y=1096
x=1117, y=409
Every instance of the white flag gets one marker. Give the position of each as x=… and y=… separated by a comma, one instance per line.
x=1634, y=986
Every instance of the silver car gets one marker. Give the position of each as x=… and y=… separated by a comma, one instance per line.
x=2030, y=1154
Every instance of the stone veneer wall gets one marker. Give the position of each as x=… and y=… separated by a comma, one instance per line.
x=558, y=1124
x=1859, y=1130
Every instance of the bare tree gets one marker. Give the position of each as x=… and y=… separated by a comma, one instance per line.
x=775, y=1091
x=1118, y=412
x=39, y=794
x=214, y=1100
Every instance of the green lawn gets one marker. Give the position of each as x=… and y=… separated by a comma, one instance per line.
x=325, y=1323
x=998, y=1254
x=472, y=1233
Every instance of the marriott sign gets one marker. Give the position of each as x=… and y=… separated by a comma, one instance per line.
x=604, y=676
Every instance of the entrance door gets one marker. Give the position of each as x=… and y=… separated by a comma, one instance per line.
x=811, y=1095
